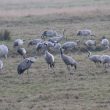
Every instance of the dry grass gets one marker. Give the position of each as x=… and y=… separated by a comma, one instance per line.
x=87, y=89
x=76, y=11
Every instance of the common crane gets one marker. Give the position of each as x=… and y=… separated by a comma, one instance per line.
x=25, y=65
x=49, y=33
x=105, y=42
x=69, y=61
x=34, y=42
x=105, y=59
x=49, y=58
x=70, y=45
x=21, y=51
x=3, y=51
x=18, y=42
x=94, y=58
x=85, y=32
x=58, y=38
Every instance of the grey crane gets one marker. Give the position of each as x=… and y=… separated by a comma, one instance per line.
x=49, y=58
x=94, y=58
x=105, y=59
x=58, y=38
x=49, y=33
x=85, y=33
x=41, y=47
x=25, y=65
x=105, y=42
x=70, y=45
x=3, y=51
x=21, y=51
x=18, y=42
x=69, y=61
x=90, y=44
x=34, y=42
x=56, y=48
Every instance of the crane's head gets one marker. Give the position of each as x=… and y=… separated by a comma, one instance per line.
x=45, y=43
x=32, y=59
x=30, y=43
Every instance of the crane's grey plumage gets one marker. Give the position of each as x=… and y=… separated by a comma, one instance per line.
x=18, y=42
x=49, y=44
x=25, y=65
x=70, y=45
x=105, y=43
x=41, y=45
x=105, y=59
x=34, y=42
x=85, y=32
x=21, y=51
x=49, y=33
x=49, y=58
x=3, y=51
x=69, y=61
x=90, y=43
x=94, y=58
x=58, y=38
x=56, y=47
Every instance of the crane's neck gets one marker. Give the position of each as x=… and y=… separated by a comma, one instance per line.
x=61, y=51
x=64, y=32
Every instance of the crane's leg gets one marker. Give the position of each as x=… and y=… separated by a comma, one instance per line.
x=73, y=69
x=24, y=56
x=21, y=78
x=53, y=65
x=52, y=68
x=53, y=71
x=68, y=67
x=5, y=56
x=28, y=75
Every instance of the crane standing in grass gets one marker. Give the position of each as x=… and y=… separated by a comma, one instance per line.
x=58, y=38
x=85, y=32
x=3, y=51
x=105, y=59
x=105, y=42
x=69, y=61
x=34, y=42
x=25, y=65
x=49, y=58
x=49, y=33
x=94, y=58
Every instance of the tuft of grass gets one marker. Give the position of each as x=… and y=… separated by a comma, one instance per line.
x=5, y=35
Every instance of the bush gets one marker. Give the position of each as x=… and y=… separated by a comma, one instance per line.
x=5, y=35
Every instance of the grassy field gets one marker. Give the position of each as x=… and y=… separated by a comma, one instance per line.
x=87, y=89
